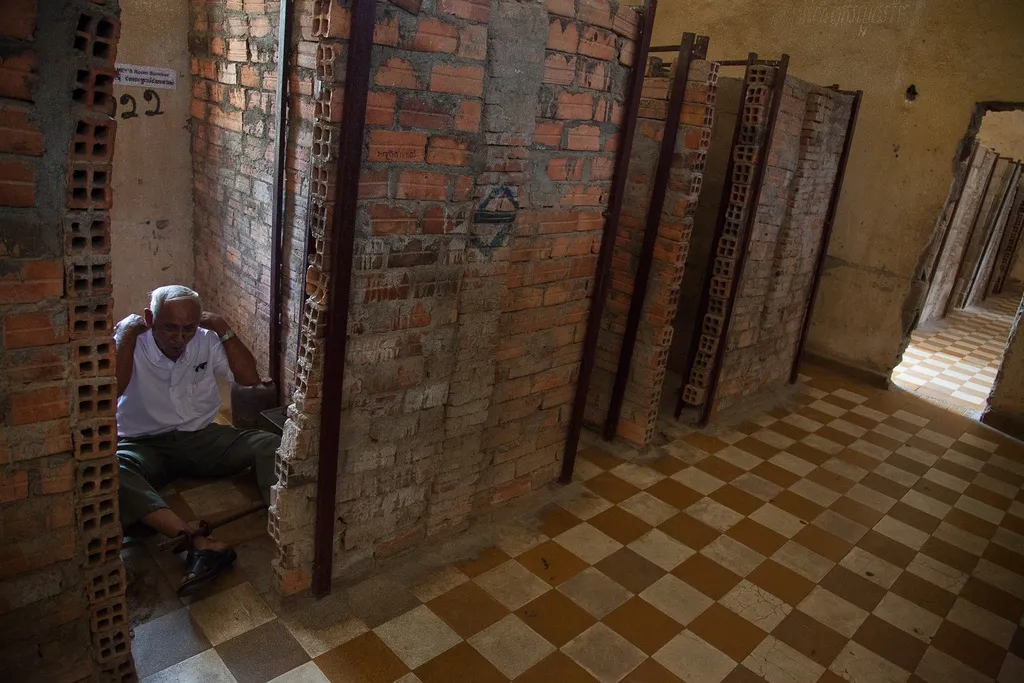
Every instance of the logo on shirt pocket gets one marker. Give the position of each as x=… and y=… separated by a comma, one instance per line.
x=201, y=366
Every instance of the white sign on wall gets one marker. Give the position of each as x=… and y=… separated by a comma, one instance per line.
x=146, y=76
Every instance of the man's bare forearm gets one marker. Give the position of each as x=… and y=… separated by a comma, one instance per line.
x=243, y=365
x=126, y=333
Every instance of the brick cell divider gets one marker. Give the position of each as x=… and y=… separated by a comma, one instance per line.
x=604, y=260
x=690, y=47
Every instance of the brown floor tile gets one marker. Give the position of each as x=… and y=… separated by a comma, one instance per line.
x=629, y=570
x=887, y=402
x=748, y=427
x=823, y=418
x=552, y=562
x=893, y=644
x=555, y=668
x=708, y=444
x=485, y=561
x=853, y=588
x=831, y=677
x=971, y=649
x=952, y=427
x=611, y=488
x=555, y=617
x=794, y=504
x=781, y=582
x=674, y=493
x=973, y=451
x=950, y=554
x=902, y=425
x=792, y=431
x=365, y=659
x=667, y=465
x=958, y=471
x=968, y=522
x=460, y=663
x=1013, y=523
x=1017, y=644
x=642, y=624
x=993, y=599
x=936, y=491
x=914, y=517
x=737, y=499
x=689, y=531
x=989, y=497
x=889, y=550
x=707, y=576
x=717, y=467
x=1005, y=476
x=907, y=464
x=467, y=609
x=809, y=637
x=555, y=520
x=756, y=536
x=883, y=485
x=924, y=594
x=836, y=436
x=775, y=474
x=822, y=542
x=263, y=653
x=620, y=525
x=727, y=631
x=1004, y=557
x=883, y=441
x=649, y=671
x=601, y=458
x=860, y=420
x=757, y=447
x=808, y=453
x=831, y=480
x=865, y=462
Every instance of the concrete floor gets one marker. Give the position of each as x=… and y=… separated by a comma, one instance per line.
x=849, y=534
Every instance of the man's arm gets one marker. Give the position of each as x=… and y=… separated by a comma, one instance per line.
x=240, y=360
x=126, y=333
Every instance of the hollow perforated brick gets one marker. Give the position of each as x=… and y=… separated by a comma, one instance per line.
x=86, y=233
x=86, y=280
x=111, y=644
x=328, y=104
x=94, y=89
x=93, y=359
x=322, y=183
x=95, y=400
x=330, y=62
x=712, y=325
x=745, y=154
x=97, y=478
x=720, y=287
x=119, y=670
x=102, y=546
x=97, y=513
x=90, y=318
x=761, y=75
x=708, y=343
x=693, y=395
x=325, y=142
x=93, y=141
x=89, y=186
x=728, y=247
x=108, y=616
x=751, y=135
x=105, y=583
x=754, y=115
x=739, y=194
x=96, y=36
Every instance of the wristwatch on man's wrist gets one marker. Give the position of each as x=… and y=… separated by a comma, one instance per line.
x=227, y=336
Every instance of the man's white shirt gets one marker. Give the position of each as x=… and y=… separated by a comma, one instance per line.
x=166, y=395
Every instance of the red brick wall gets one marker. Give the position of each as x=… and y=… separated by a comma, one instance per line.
x=62, y=608
x=487, y=166
x=774, y=285
x=654, y=337
x=234, y=66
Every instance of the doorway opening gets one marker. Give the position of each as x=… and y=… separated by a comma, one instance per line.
x=976, y=275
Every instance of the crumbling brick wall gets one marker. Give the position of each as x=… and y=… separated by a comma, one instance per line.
x=774, y=286
x=492, y=130
x=654, y=337
x=62, y=607
x=233, y=45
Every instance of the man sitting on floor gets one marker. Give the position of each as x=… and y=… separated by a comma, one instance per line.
x=167, y=368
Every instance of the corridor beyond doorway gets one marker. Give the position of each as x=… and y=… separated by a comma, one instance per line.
x=954, y=361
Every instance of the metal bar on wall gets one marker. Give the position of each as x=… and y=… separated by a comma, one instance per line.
x=758, y=184
x=967, y=243
x=604, y=258
x=284, y=41
x=826, y=234
x=350, y=156
x=723, y=205
x=690, y=47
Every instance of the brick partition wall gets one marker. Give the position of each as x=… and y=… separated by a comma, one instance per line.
x=62, y=609
x=491, y=135
x=997, y=242
x=774, y=286
x=234, y=58
x=654, y=337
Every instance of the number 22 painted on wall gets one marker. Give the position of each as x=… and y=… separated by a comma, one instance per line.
x=148, y=95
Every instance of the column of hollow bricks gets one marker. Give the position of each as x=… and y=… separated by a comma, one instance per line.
x=723, y=276
x=93, y=385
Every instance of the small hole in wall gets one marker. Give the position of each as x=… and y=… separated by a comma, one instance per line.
x=911, y=93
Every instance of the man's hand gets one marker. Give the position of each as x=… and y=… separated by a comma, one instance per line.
x=214, y=322
x=129, y=328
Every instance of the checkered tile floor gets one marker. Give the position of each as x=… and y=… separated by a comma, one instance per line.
x=955, y=360
x=857, y=535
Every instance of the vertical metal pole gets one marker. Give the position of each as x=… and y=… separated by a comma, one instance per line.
x=350, y=156
x=691, y=47
x=723, y=205
x=826, y=235
x=604, y=258
x=773, y=117
x=284, y=43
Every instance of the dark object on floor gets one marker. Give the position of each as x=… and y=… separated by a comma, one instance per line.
x=203, y=566
x=247, y=403
x=273, y=420
x=205, y=528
